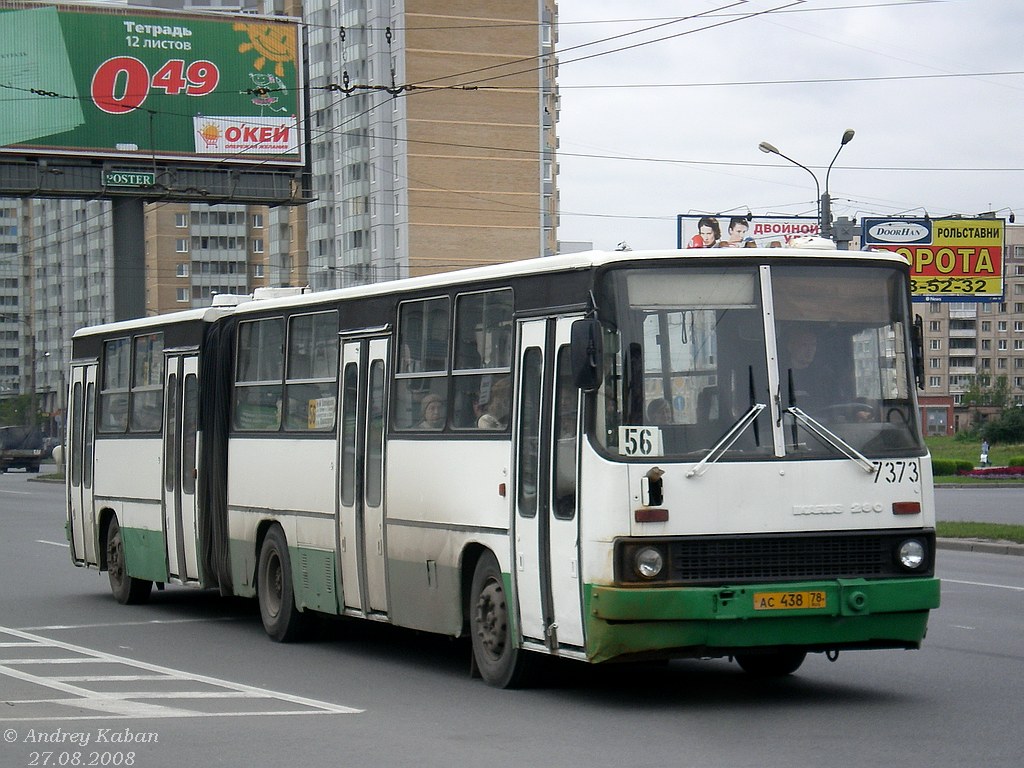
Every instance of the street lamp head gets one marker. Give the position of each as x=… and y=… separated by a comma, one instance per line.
x=767, y=148
x=847, y=137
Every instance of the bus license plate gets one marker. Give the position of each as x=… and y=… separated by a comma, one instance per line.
x=787, y=601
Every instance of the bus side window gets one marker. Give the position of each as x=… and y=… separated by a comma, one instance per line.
x=259, y=375
x=422, y=374
x=483, y=327
x=311, y=379
x=147, y=383
x=114, y=386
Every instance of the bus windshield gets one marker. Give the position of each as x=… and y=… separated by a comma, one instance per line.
x=756, y=363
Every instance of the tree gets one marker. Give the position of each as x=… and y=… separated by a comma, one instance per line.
x=14, y=411
x=1008, y=427
x=983, y=391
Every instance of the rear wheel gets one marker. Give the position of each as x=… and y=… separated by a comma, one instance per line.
x=281, y=619
x=127, y=589
x=771, y=664
x=497, y=658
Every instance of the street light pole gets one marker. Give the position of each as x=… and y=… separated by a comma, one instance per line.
x=770, y=149
x=824, y=200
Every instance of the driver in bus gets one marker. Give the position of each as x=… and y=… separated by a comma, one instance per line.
x=805, y=383
x=811, y=382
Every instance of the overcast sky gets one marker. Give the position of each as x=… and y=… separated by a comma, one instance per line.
x=936, y=130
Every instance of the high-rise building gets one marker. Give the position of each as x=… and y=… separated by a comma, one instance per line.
x=433, y=136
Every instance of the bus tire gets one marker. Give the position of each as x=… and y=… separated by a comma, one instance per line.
x=282, y=620
x=772, y=664
x=498, y=660
x=127, y=589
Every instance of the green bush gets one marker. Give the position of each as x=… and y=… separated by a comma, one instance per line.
x=950, y=466
x=1015, y=461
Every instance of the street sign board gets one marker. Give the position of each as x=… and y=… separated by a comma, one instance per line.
x=951, y=259
x=126, y=178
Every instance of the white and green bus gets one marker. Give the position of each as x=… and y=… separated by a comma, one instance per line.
x=598, y=456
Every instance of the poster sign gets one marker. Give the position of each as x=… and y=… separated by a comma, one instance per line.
x=953, y=259
x=121, y=82
x=741, y=231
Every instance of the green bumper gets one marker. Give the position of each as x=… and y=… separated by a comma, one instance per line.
x=714, y=621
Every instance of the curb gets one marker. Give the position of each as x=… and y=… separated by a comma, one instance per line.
x=979, y=545
x=978, y=486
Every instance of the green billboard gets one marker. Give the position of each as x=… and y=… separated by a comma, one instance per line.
x=150, y=84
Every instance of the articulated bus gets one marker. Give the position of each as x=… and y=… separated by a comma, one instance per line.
x=601, y=456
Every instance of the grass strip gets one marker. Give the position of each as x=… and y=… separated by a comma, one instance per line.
x=990, y=531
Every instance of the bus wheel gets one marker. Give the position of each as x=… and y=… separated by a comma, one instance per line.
x=497, y=658
x=281, y=619
x=773, y=664
x=127, y=589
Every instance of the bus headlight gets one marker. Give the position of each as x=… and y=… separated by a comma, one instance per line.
x=648, y=563
x=911, y=554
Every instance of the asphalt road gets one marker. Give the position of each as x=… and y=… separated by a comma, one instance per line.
x=980, y=505
x=190, y=679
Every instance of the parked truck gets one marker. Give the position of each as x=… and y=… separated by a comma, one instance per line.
x=21, y=447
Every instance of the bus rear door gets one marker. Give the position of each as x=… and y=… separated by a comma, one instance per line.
x=361, y=479
x=181, y=419
x=546, y=523
x=79, y=464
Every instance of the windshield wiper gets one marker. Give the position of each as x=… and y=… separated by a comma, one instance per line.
x=730, y=437
x=831, y=438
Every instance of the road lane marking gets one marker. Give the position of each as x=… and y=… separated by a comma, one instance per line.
x=983, y=584
x=102, y=625
x=133, y=704
x=53, y=543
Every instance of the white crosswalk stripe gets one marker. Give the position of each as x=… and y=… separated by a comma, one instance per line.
x=48, y=667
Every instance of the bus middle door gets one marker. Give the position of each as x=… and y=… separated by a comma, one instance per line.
x=546, y=524
x=361, y=479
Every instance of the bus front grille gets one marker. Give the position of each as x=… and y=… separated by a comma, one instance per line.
x=737, y=559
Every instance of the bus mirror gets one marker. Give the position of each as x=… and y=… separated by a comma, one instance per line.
x=917, y=337
x=585, y=353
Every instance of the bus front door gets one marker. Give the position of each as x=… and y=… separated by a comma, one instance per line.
x=181, y=419
x=78, y=458
x=361, y=477
x=547, y=560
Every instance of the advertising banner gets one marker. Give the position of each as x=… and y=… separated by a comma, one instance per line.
x=108, y=81
x=952, y=259
x=741, y=231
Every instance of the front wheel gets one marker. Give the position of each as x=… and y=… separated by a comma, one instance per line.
x=497, y=658
x=772, y=664
x=282, y=620
x=127, y=589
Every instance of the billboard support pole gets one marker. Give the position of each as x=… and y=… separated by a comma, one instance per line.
x=129, y=239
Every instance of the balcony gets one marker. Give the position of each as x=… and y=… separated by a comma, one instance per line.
x=962, y=313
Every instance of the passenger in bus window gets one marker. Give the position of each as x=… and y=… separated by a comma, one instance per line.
x=433, y=412
x=496, y=408
x=659, y=411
